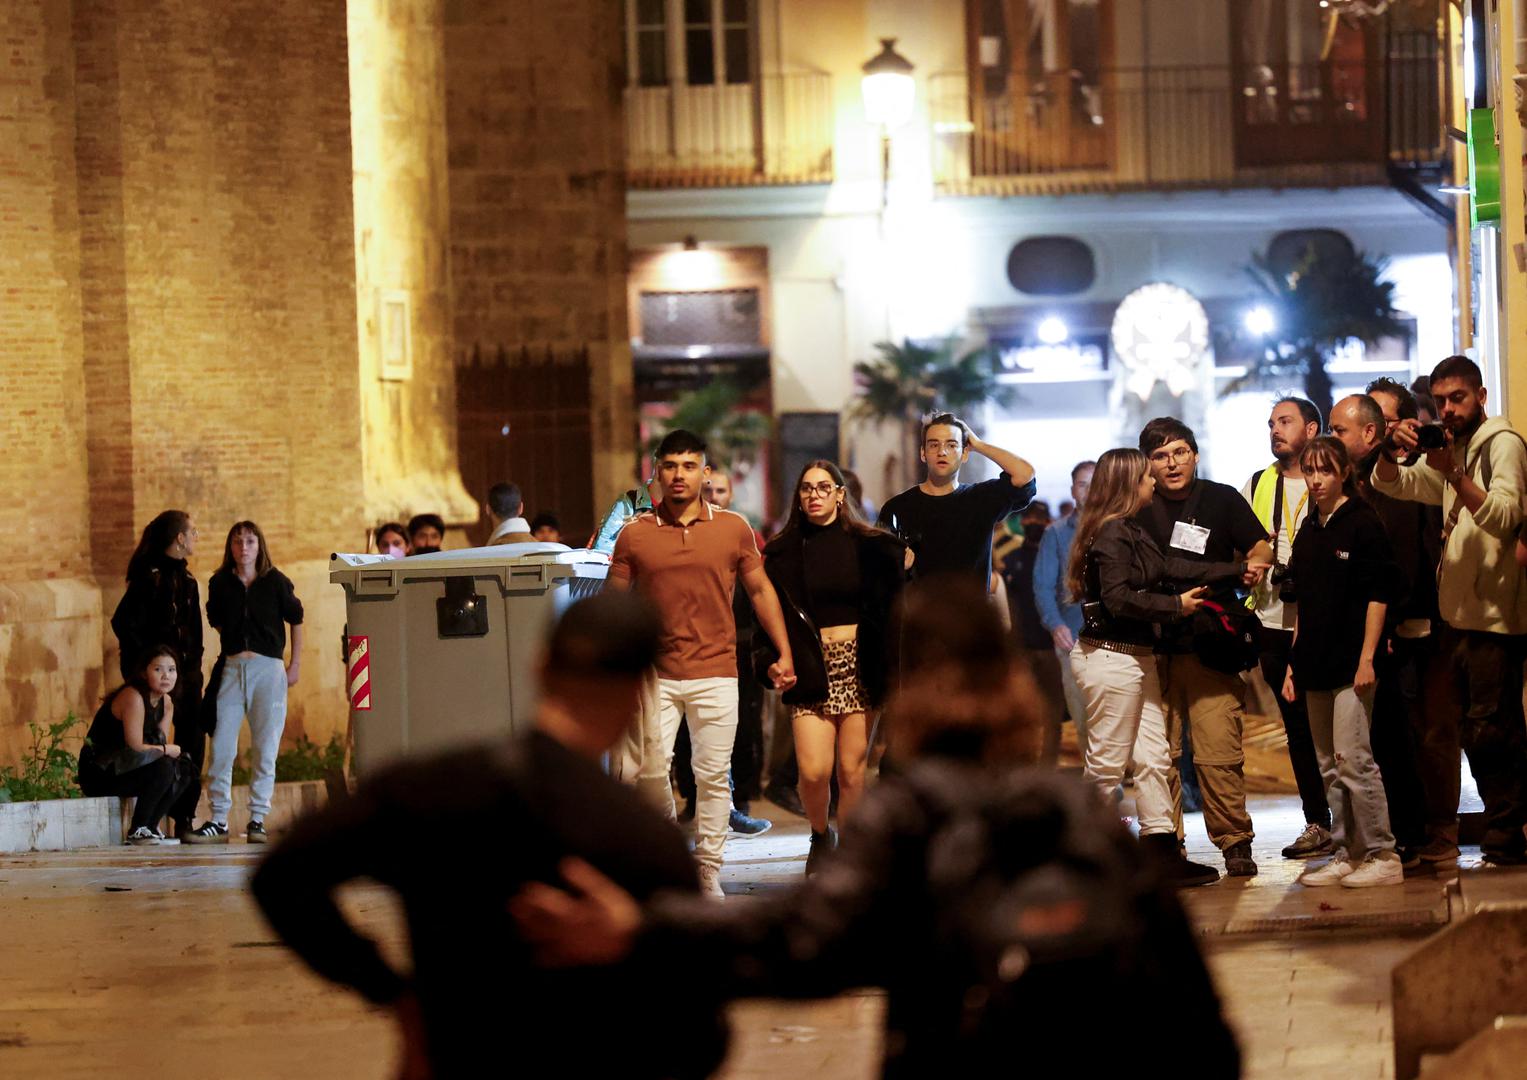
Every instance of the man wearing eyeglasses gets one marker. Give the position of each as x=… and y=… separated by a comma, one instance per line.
x=947, y=524
x=1200, y=520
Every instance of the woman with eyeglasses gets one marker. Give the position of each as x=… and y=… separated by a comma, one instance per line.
x=838, y=578
x=1118, y=573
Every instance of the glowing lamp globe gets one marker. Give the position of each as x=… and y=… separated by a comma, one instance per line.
x=888, y=87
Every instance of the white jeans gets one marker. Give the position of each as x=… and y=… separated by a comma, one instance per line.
x=254, y=687
x=1126, y=725
x=1076, y=705
x=710, y=708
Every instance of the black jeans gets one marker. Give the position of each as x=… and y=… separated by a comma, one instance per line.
x=1487, y=669
x=1393, y=738
x=1276, y=646
x=163, y=786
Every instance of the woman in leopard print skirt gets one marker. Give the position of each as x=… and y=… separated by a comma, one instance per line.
x=838, y=578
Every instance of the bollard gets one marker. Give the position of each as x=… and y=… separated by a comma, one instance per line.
x=1457, y=983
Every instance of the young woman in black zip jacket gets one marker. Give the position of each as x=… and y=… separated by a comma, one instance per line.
x=838, y=578
x=1118, y=572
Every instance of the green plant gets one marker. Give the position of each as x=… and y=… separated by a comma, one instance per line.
x=1329, y=298
x=714, y=412
x=303, y=760
x=47, y=770
x=907, y=382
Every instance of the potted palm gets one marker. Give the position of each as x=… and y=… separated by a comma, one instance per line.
x=1329, y=297
x=907, y=382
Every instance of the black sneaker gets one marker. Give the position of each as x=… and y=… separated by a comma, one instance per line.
x=822, y=843
x=1238, y=860
x=255, y=833
x=210, y=832
x=743, y=825
x=142, y=836
x=1409, y=855
x=1313, y=842
x=1174, y=865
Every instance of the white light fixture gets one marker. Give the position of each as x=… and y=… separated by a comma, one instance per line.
x=888, y=87
x=1260, y=321
x=1052, y=330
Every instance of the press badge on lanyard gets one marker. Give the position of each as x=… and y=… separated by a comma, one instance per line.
x=1189, y=537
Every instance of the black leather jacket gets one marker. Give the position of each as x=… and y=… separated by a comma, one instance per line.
x=881, y=573
x=1131, y=585
x=987, y=902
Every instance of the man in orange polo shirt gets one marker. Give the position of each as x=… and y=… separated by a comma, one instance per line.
x=685, y=555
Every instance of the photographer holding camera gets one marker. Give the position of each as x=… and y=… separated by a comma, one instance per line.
x=1475, y=468
x=1281, y=501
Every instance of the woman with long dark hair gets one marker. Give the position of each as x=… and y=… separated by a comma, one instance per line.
x=162, y=606
x=1121, y=578
x=838, y=578
x=128, y=752
x=249, y=603
x=1344, y=565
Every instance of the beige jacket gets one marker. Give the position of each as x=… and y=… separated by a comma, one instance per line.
x=1481, y=586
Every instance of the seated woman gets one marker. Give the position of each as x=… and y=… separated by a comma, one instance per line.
x=986, y=898
x=128, y=752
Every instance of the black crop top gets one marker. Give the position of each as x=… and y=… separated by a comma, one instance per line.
x=832, y=574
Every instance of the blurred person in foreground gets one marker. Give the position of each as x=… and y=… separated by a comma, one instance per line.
x=987, y=898
x=433, y=830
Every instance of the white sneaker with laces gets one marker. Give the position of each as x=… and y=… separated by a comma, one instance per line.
x=1330, y=874
x=710, y=882
x=1383, y=868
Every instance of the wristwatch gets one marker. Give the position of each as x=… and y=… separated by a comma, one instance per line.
x=1455, y=475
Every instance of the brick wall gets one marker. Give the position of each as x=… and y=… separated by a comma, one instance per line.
x=178, y=278
x=50, y=620
x=537, y=168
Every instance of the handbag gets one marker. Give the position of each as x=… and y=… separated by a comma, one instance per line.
x=1225, y=637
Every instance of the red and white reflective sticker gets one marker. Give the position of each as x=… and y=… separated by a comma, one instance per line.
x=358, y=666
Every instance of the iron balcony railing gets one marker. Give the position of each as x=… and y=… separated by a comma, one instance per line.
x=1294, y=125
x=777, y=130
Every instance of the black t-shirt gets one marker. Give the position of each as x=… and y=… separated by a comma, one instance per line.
x=951, y=534
x=1341, y=566
x=832, y=574
x=1233, y=531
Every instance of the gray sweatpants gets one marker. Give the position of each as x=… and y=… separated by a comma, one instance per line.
x=1339, y=722
x=254, y=687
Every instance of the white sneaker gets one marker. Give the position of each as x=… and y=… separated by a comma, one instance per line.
x=1383, y=868
x=1331, y=873
x=710, y=882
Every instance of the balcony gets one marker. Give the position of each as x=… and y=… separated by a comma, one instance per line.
x=775, y=131
x=1314, y=125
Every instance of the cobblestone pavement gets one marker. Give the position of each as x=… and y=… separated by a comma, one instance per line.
x=139, y=962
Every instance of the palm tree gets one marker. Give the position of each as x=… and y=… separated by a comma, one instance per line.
x=908, y=382
x=714, y=413
x=1327, y=299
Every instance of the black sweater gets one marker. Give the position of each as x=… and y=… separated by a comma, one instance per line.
x=881, y=569
x=162, y=606
x=252, y=618
x=458, y=835
x=1340, y=566
x=932, y=893
x=1137, y=584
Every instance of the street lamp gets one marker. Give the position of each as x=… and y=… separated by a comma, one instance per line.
x=888, y=89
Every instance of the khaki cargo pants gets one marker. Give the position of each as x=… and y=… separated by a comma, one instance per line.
x=1213, y=705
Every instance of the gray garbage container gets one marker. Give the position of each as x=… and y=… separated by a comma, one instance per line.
x=442, y=648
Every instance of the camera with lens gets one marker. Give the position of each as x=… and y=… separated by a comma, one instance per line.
x=1431, y=437
x=1283, y=578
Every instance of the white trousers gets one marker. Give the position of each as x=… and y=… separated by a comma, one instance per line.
x=709, y=706
x=1126, y=726
x=254, y=687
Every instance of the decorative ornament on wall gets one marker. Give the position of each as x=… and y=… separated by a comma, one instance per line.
x=1161, y=334
x=395, y=329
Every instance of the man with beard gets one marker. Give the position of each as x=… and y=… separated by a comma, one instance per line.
x=1478, y=476
x=1358, y=421
x=1281, y=501
x=1199, y=520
